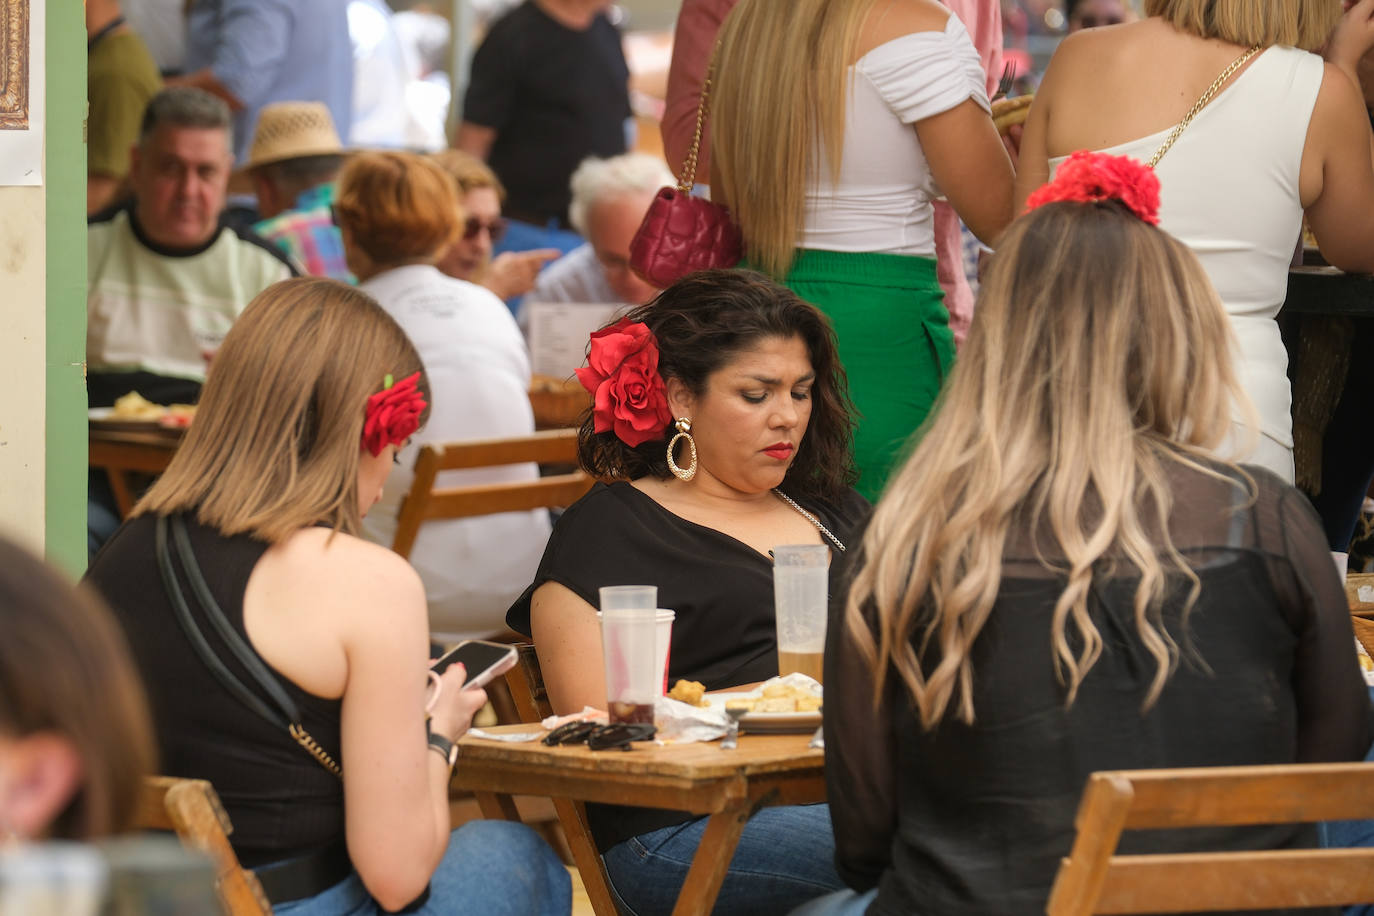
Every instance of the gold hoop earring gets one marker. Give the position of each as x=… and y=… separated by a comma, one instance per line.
x=684, y=431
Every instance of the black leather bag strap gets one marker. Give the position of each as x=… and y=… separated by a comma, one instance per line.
x=286, y=712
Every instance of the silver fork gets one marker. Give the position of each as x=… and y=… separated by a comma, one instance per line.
x=1008, y=78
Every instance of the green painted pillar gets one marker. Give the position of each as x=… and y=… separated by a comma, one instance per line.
x=64, y=175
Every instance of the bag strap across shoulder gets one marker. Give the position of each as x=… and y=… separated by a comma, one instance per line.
x=689, y=168
x=1201, y=104
x=285, y=714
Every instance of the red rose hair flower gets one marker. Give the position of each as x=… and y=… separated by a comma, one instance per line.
x=622, y=377
x=1092, y=177
x=393, y=414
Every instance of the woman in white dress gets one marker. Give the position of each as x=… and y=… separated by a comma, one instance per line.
x=1286, y=133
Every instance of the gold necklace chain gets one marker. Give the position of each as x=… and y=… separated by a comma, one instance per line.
x=810, y=518
x=1202, y=103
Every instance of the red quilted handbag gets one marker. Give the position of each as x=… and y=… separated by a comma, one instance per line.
x=682, y=233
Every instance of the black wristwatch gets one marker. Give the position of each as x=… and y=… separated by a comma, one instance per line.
x=444, y=748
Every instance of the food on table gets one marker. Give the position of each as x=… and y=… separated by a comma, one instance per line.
x=134, y=406
x=689, y=692
x=778, y=698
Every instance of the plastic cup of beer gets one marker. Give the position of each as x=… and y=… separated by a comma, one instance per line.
x=629, y=631
x=801, y=588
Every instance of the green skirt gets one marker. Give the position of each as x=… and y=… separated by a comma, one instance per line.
x=895, y=343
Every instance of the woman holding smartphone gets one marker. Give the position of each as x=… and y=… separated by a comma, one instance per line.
x=284, y=655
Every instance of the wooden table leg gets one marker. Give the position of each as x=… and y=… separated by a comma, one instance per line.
x=572, y=815
x=713, y=857
x=497, y=807
x=123, y=495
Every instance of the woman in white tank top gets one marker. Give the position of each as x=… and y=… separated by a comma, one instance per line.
x=1286, y=133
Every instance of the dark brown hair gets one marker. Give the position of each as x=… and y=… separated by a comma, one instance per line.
x=701, y=323
x=65, y=669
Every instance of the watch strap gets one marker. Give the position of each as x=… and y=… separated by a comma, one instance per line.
x=444, y=748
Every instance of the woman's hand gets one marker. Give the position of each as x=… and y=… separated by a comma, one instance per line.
x=1352, y=46
x=455, y=706
x=513, y=273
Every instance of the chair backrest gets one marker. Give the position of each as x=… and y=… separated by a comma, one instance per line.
x=191, y=808
x=526, y=683
x=425, y=502
x=1093, y=879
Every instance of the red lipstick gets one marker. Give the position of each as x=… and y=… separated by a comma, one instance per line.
x=780, y=450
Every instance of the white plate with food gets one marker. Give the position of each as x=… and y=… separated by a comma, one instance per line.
x=797, y=711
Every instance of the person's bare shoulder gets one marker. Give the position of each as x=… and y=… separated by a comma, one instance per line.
x=353, y=576
x=891, y=19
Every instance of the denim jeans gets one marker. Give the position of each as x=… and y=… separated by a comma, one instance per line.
x=496, y=868
x=840, y=903
x=785, y=857
x=1347, y=834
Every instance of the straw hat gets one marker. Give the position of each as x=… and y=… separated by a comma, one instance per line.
x=291, y=130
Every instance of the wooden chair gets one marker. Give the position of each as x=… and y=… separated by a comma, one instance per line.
x=191, y=808
x=424, y=502
x=1094, y=879
x=526, y=684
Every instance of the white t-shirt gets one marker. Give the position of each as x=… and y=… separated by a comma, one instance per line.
x=883, y=199
x=479, y=373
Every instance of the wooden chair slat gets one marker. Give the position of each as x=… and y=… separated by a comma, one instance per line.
x=488, y=499
x=191, y=808
x=1093, y=880
x=1234, y=796
x=554, y=446
x=1229, y=881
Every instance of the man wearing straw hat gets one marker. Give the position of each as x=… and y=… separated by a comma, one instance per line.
x=293, y=161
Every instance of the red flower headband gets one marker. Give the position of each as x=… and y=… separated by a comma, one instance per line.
x=622, y=377
x=1092, y=177
x=393, y=414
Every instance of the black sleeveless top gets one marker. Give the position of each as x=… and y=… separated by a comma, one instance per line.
x=281, y=801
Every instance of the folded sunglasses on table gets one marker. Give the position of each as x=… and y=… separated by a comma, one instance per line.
x=599, y=737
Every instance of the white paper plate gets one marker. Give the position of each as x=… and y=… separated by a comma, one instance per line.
x=768, y=722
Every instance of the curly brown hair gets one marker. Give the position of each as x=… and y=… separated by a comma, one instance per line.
x=701, y=323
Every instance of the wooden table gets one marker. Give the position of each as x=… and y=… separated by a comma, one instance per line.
x=123, y=451
x=727, y=785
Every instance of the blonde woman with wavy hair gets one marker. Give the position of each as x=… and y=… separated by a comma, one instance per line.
x=1061, y=579
x=1285, y=135
x=870, y=110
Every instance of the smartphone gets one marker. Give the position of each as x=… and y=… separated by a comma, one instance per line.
x=485, y=661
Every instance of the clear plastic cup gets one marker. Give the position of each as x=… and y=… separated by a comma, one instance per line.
x=801, y=586
x=628, y=644
x=663, y=640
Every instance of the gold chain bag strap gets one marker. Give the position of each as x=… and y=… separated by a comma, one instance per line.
x=285, y=714
x=1201, y=104
x=682, y=233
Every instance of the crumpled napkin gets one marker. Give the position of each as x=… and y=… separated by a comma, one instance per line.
x=795, y=679
x=683, y=723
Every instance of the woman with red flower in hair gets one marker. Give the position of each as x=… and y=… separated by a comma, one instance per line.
x=1063, y=579
x=721, y=417
x=284, y=655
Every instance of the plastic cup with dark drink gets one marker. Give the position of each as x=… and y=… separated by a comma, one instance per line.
x=801, y=583
x=629, y=624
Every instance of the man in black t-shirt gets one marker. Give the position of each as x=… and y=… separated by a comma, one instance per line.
x=549, y=88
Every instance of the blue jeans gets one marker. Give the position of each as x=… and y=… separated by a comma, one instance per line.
x=1347, y=834
x=497, y=868
x=840, y=903
x=785, y=857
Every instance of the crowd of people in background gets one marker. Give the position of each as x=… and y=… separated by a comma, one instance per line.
x=1097, y=459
